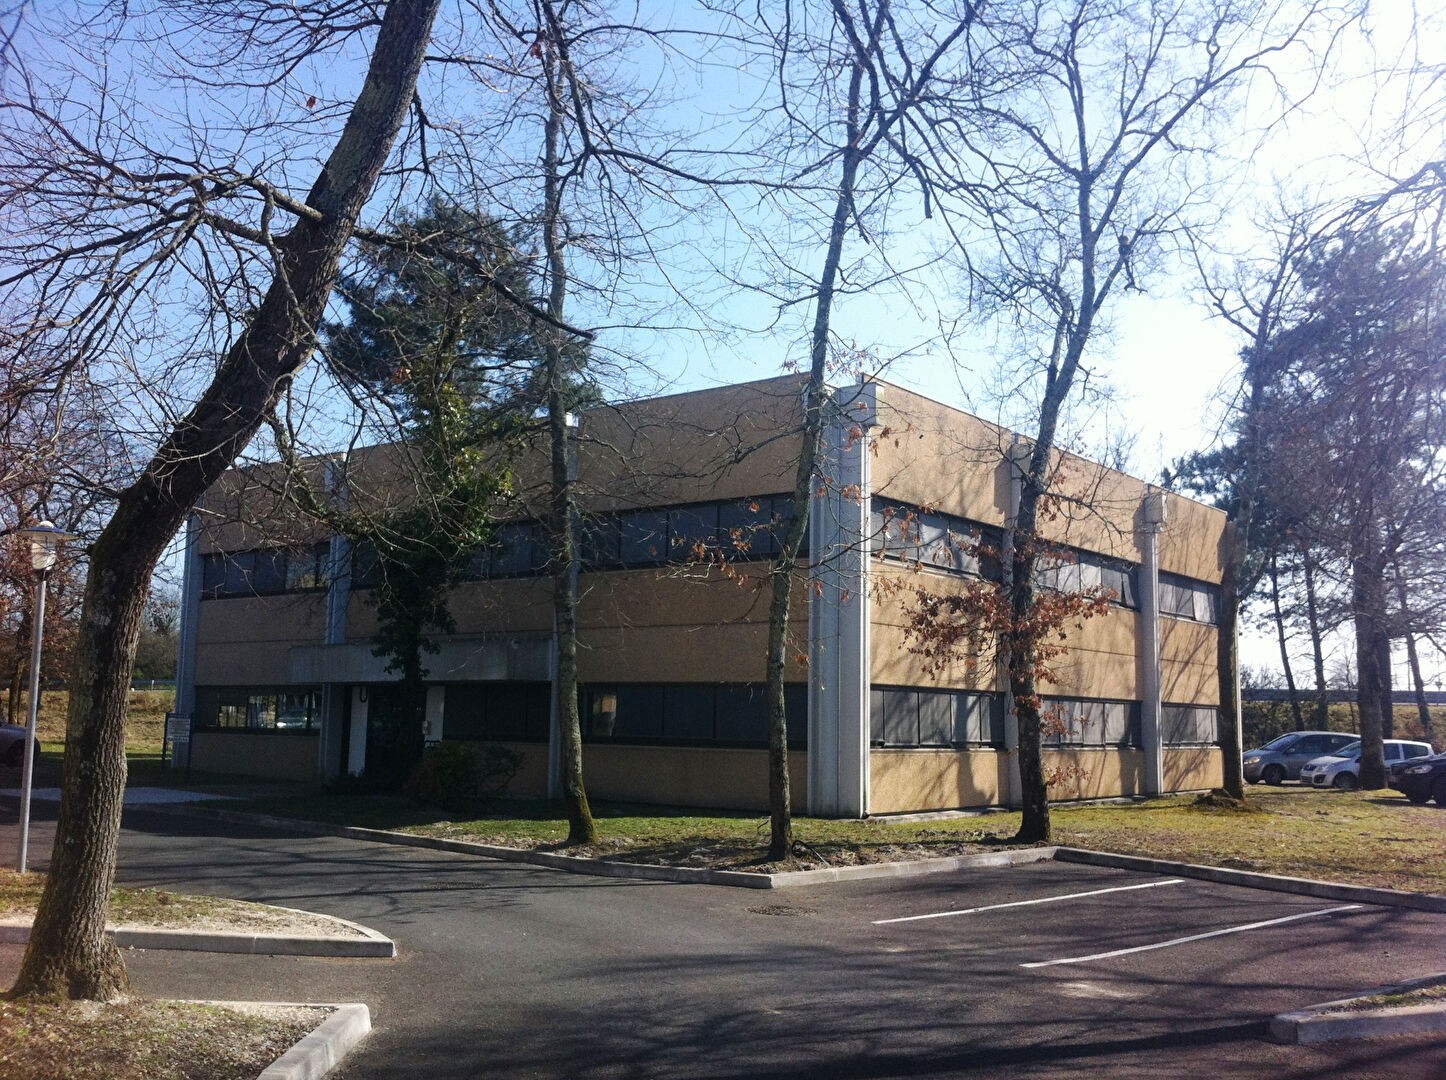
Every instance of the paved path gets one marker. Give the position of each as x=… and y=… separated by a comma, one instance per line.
x=512, y=971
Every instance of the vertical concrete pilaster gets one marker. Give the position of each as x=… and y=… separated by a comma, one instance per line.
x=839, y=610
x=190, y=619
x=1152, y=521
x=338, y=601
x=1016, y=461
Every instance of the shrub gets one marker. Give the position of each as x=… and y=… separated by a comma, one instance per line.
x=453, y=772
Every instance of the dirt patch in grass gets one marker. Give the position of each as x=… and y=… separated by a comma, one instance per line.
x=145, y=1040
x=165, y=910
x=1398, y=999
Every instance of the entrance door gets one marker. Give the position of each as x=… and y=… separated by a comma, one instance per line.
x=394, y=736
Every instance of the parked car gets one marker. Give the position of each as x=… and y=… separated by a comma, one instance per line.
x=1422, y=780
x=1342, y=768
x=1281, y=759
x=1395, y=768
x=12, y=744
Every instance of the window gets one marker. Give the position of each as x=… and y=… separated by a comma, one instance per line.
x=745, y=528
x=520, y=712
x=264, y=572
x=692, y=532
x=719, y=714
x=644, y=540
x=908, y=716
x=306, y=569
x=1189, y=725
x=516, y=548
x=242, y=708
x=931, y=539
x=601, y=540
x=1072, y=571
x=1089, y=722
x=1185, y=598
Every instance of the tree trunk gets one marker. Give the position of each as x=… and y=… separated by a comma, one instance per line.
x=1227, y=657
x=1295, y=710
x=581, y=827
x=1368, y=604
x=1383, y=665
x=785, y=564
x=1413, y=659
x=1317, y=645
x=68, y=953
x=1423, y=707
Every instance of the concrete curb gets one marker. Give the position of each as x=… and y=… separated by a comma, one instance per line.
x=575, y=864
x=370, y=945
x=320, y=1051
x=1325, y=890
x=682, y=875
x=915, y=868
x=1327, y=1023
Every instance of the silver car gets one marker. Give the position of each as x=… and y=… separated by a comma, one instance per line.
x=1342, y=768
x=1282, y=758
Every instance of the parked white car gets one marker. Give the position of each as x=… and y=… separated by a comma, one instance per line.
x=1342, y=769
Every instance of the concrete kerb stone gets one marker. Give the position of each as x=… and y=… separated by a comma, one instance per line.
x=370, y=944
x=320, y=1051
x=1337, y=1020
x=575, y=864
x=684, y=875
x=916, y=868
x=1325, y=890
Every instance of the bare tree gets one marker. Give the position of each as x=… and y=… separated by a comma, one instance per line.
x=848, y=82
x=1080, y=146
x=112, y=209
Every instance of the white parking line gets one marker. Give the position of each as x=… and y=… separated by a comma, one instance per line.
x=1026, y=903
x=1192, y=937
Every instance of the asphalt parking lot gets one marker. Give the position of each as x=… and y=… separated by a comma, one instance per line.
x=1047, y=969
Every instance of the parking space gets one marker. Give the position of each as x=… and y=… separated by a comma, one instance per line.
x=1046, y=969
x=1064, y=921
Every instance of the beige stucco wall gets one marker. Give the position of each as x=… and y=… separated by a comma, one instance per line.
x=929, y=454
x=1103, y=774
x=530, y=781
x=892, y=662
x=686, y=776
x=1191, y=542
x=1194, y=768
x=934, y=779
x=1188, y=673
x=1094, y=773
x=724, y=443
x=244, y=640
x=286, y=756
x=912, y=780
x=1102, y=658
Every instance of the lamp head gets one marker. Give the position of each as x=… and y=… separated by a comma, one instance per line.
x=45, y=540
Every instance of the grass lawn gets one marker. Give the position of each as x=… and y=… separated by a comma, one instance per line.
x=145, y=720
x=1368, y=838
x=1364, y=838
x=144, y=1040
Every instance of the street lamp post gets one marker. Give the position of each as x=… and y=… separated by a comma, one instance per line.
x=45, y=540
